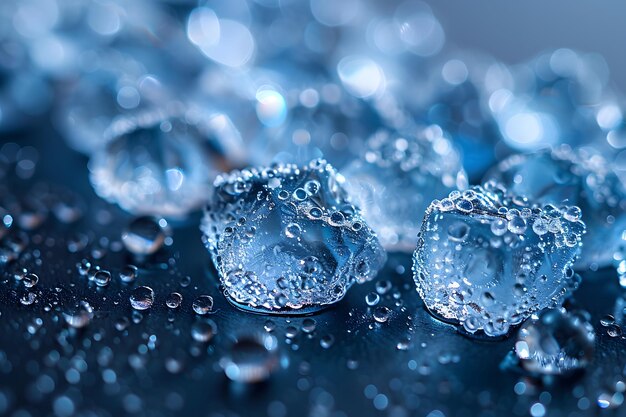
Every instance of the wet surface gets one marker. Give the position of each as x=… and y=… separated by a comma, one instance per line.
x=154, y=362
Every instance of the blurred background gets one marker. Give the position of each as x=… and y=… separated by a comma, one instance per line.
x=112, y=111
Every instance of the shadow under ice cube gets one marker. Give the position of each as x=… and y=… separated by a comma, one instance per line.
x=487, y=259
x=284, y=239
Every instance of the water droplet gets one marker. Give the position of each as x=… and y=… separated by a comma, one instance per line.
x=142, y=298
x=372, y=298
x=203, y=305
x=173, y=300
x=102, y=278
x=327, y=341
x=251, y=359
x=203, y=331
x=308, y=325
x=143, y=236
x=381, y=314
x=30, y=280
x=79, y=315
x=128, y=273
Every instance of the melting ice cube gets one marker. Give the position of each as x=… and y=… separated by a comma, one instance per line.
x=488, y=259
x=163, y=162
x=284, y=239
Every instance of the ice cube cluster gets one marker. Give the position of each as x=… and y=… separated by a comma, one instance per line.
x=285, y=239
x=487, y=258
x=398, y=176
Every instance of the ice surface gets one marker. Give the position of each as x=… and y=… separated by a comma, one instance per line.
x=488, y=259
x=398, y=176
x=285, y=238
x=580, y=178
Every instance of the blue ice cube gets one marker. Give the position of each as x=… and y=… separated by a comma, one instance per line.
x=398, y=176
x=487, y=259
x=285, y=239
x=163, y=162
x=579, y=178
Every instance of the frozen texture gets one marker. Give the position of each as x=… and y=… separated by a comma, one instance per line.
x=284, y=239
x=488, y=259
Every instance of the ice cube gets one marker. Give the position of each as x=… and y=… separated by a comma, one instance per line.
x=163, y=162
x=285, y=239
x=578, y=178
x=488, y=259
x=398, y=176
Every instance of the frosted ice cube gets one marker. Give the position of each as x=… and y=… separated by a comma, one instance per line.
x=488, y=259
x=284, y=239
x=579, y=178
x=398, y=176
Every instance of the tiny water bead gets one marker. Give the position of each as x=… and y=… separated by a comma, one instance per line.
x=267, y=264
x=78, y=315
x=144, y=235
x=162, y=163
x=128, y=273
x=251, y=359
x=203, y=331
x=142, y=298
x=556, y=342
x=372, y=298
x=174, y=300
x=398, y=176
x=381, y=314
x=486, y=269
x=203, y=305
x=30, y=280
x=102, y=278
x=308, y=325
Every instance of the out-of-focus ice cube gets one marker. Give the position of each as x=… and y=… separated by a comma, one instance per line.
x=487, y=259
x=553, y=100
x=398, y=176
x=578, y=178
x=163, y=162
x=285, y=239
